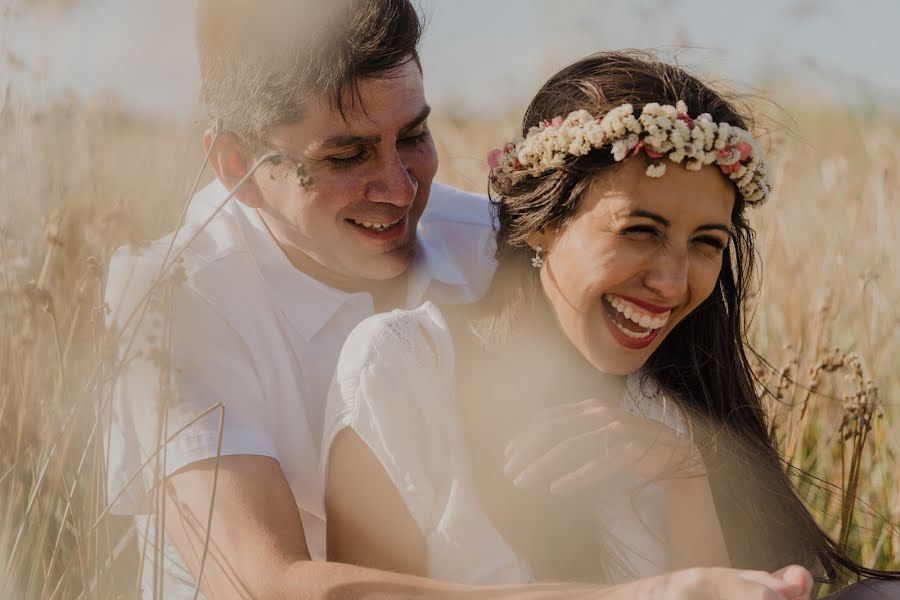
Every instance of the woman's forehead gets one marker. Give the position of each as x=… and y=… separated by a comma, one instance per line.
x=678, y=195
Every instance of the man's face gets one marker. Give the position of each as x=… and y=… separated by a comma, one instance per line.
x=371, y=172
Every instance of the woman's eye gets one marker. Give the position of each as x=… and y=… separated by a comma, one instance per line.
x=712, y=242
x=641, y=232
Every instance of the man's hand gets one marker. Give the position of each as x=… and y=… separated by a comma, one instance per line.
x=572, y=447
x=791, y=583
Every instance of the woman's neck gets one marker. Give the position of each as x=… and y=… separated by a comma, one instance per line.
x=553, y=362
x=532, y=366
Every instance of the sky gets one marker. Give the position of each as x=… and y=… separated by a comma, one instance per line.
x=479, y=55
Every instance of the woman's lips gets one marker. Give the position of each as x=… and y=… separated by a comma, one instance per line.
x=628, y=333
x=654, y=308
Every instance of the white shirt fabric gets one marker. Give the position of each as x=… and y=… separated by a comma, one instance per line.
x=394, y=386
x=253, y=333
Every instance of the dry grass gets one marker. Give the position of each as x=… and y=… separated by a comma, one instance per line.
x=80, y=181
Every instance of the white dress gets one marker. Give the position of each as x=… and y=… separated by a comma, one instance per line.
x=394, y=386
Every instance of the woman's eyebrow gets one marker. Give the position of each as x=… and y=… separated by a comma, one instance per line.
x=650, y=215
x=716, y=227
x=665, y=222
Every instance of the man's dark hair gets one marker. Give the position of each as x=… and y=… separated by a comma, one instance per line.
x=262, y=61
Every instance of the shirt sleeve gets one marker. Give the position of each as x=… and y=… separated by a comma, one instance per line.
x=385, y=386
x=184, y=386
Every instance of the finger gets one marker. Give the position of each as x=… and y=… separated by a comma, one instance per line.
x=603, y=471
x=786, y=589
x=564, y=457
x=553, y=445
x=559, y=413
x=593, y=474
x=527, y=451
x=798, y=576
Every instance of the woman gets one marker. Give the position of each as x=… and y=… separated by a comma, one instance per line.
x=612, y=340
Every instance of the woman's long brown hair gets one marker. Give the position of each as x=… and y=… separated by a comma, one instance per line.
x=702, y=365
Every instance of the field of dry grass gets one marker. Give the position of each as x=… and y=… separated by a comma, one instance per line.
x=79, y=181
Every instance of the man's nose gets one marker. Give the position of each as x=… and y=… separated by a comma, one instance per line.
x=668, y=275
x=393, y=183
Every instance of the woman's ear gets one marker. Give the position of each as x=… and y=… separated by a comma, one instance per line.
x=544, y=238
x=228, y=160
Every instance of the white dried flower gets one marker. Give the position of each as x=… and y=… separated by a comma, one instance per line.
x=693, y=165
x=656, y=170
x=661, y=130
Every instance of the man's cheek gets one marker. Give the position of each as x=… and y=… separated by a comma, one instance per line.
x=425, y=163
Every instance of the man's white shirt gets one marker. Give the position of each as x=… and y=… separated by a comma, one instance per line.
x=253, y=334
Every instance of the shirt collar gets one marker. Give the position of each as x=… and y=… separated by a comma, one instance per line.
x=431, y=263
x=310, y=304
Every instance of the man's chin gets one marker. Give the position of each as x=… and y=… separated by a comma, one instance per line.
x=388, y=270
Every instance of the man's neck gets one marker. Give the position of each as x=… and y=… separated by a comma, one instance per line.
x=386, y=295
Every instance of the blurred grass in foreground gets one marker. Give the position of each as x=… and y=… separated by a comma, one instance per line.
x=79, y=181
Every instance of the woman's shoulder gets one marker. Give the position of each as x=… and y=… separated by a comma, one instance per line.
x=645, y=396
x=388, y=390
x=392, y=339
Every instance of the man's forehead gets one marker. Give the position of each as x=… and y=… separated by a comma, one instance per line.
x=366, y=118
x=375, y=107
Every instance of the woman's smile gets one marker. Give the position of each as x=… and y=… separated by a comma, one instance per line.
x=632, y=326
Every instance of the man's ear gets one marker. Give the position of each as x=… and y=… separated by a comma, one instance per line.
x=229, y=162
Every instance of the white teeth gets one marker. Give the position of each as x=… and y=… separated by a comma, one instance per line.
x=633, y=334
x=638, y=316
x=376, y=226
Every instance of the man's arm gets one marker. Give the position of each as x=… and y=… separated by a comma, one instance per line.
x=257, y=550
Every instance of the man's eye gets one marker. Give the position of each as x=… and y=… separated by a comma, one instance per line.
x=347, y=160
x=413, y=140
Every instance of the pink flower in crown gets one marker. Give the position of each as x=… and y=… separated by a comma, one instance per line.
x=728, y=153
x=745, y=149
x=554, y=122
x=647, y=150
x=727, y=169
x=687, y=119
x=493, y=159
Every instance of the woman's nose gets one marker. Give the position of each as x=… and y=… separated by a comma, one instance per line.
x=668, y=276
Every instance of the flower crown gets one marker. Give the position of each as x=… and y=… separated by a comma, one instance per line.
x=659, y=131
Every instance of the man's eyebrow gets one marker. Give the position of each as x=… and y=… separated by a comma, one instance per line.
x=341, y=141
x=418, y=120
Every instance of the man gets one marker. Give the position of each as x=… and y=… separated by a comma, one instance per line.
x=226, y=365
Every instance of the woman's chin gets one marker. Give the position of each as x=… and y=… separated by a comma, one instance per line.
x=613, y=361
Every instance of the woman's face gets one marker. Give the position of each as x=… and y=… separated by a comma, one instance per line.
x=637, y=257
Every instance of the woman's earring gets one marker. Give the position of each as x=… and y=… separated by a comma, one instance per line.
x=537, y=262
